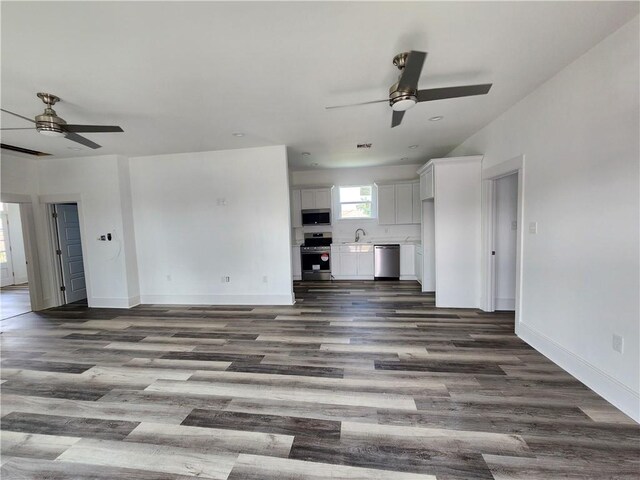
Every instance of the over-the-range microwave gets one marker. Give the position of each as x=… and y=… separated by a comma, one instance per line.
x=316, y=216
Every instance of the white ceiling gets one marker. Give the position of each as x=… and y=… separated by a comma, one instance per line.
x=182, y=77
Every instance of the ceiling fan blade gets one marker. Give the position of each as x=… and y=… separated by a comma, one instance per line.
x=412, y=70
x=25, y=128
x=74, y=137
x=397, y=118
x=453, y=92
x=92, y=128
x=356, y=104
x=16, y=115
x=13, y=148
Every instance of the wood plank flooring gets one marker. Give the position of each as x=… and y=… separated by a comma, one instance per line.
x=358, y=380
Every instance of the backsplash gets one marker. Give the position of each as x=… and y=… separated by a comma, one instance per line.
x=344, y=231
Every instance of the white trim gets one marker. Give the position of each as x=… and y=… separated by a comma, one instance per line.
x=34, y=274
x=600, y=382
x=76, y=198
x=489, y=175
x=217, y=299
x=449, y=160
x=115, y=302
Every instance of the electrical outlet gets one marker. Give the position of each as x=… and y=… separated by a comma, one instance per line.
x=225, y=279
x=618, y=343
x=265, y=279
x=533, y=227
x=514, y=225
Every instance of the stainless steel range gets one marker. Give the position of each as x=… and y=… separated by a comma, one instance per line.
x=315, y=255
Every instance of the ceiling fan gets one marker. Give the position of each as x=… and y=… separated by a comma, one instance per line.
x=404, y=94
x=51, y=125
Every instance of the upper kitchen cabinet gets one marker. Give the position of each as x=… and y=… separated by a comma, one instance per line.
x=398, y=203
x=311, y=198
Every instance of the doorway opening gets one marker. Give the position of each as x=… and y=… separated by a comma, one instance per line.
x=505, y=234
x=68, y=251
x=502, y=237
x=15, y=298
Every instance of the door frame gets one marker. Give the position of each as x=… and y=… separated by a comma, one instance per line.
x=27, y=218
x=489, y=176
x=4, y=216
x=55, y=278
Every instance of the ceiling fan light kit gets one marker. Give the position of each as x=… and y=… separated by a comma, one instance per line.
x=51, y=125
x=404, y=94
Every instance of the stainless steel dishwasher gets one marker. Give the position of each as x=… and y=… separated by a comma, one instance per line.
x=386, y=262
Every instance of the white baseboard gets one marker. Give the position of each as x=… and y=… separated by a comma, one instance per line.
x=111, y=302
x=218, y=299
x=505, y=304
x=600, y=382
x=20, y=280
x=297, y=277
x=408, y=277
x=133, y=301
x=352, y=277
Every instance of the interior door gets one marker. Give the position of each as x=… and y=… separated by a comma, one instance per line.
x=6, y=265
x=70, y=252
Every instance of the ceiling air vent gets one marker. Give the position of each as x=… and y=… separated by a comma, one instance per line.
x=364, y=145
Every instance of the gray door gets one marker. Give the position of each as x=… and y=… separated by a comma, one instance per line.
x=70, y=252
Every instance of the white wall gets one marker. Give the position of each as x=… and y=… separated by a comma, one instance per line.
x=579, y=133
x=344, y=230
x=94, y=182
x=18, y=175
x=505, y=223
x=201, y=216
x=18, y=255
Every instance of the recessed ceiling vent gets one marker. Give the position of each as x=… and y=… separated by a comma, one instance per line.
x=364, y=145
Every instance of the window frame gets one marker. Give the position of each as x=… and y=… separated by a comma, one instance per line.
x=372, y=202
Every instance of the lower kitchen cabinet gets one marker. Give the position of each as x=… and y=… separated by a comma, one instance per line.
x=352, y=262
x=407, y=262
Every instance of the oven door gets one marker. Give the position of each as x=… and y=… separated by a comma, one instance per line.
x=316, y=265
x=319, y=216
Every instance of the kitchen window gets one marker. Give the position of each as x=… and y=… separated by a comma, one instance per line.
x=356, y=201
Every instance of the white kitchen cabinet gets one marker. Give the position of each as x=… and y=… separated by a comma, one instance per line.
x=427, y=183
x=404, y=203
x=308, y=199
x=352, y=261
x=365, y=264
x=296, y=206
x=417, y=204
x=296, y=263
x=323, y=198
x=399, y=203
x=311, y=198
x=387, y=204
x=407, y=261
x=348, y=264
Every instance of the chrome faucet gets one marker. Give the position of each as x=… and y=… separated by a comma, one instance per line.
x=358, y=234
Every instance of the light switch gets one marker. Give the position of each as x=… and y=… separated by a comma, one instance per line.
x=533, y=227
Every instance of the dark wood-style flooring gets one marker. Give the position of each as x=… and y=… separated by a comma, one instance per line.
x=358, y=380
